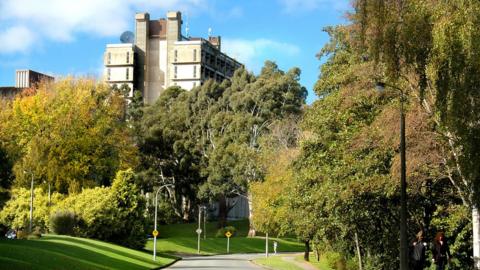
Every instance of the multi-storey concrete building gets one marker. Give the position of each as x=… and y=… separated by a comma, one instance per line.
x=163, y=57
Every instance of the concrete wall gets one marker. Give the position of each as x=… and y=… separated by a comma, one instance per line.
x=141, y=41
x=156, y=67
x=119, y=74
x=187, y=72
x=119, y=55
x=188, y=84
x=119, y=60
x=174, y=24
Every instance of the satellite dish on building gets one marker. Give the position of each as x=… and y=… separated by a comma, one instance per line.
x=127, y=37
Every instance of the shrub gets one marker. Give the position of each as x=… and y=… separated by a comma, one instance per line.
x=22, y=234
x=352, y=263
x=221, y=232
x=62, y=222
x=334, y=260
x=114, y=214
x=16, y=212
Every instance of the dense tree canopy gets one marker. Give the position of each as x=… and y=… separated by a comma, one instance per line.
x=205, y=141
x=346, y=178
x=70, y=134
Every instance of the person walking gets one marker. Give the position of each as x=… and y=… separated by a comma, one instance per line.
x=275, y=244
x=441, y=251
x=419, y=247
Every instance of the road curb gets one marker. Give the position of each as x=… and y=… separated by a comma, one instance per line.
x=169, y=264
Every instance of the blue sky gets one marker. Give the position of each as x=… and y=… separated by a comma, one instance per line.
x=68, y=37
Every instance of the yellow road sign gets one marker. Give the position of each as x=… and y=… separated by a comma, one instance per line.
x=228, y=234
x=155, y=233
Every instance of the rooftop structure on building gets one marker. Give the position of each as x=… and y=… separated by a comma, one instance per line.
x=161, y=57
x=24, y=78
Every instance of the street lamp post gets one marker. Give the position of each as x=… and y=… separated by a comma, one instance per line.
x=31, y=206
x=31, y=203
x=403, y=181
x=204, y=222
x=155, y=222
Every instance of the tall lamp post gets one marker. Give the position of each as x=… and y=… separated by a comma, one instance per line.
x=155, y=221
x=380, y=86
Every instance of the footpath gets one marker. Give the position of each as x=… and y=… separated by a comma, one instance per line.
x=302, y=264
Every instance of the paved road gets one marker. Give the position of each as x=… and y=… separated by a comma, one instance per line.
x=229, y=262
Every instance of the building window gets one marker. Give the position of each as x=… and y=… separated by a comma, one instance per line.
x=109, y=58
x=128, y=57
x=175, y=72
x=194, y=71
x=194, y=55
x=109, y=73
x=128, y=74
x=175, y=56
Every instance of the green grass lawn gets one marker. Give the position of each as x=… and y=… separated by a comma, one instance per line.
x=276, y=262
x=320, y=265
x=65, y=252
x=182, y=239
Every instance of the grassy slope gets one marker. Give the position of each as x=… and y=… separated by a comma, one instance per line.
x=182, y=238
x=64, y=252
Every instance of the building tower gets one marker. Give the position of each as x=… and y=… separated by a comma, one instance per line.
x=163, y=57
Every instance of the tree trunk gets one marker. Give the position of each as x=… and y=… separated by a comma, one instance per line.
x=306, y=256
x=316, y=248
x=251, y=230
x=476, y=237
x=222, y=212
x=358, y=252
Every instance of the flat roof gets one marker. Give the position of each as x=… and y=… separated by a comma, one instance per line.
x=188, y=42
x=121, y=45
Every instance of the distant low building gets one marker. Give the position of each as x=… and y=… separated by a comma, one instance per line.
x=24, y=78
x=161, y=57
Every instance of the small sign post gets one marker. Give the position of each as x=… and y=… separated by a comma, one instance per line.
x=228, y=234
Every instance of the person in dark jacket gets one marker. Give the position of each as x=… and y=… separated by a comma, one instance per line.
x=419, y=247
x=441, y=251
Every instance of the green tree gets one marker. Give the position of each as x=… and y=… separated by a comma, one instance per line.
x=168, y=151
x=206, y=140
x=346, y=172
x=6, y=176
x=430, y=48
x=70, y=134
x=243, y=114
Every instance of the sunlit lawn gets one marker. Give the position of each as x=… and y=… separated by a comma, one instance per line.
x=182, y=239
x=65, y=252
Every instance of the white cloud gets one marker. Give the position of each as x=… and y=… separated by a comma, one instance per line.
x=61, y=20
x=291, y=6
x=11, y=37
x=252, y=53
